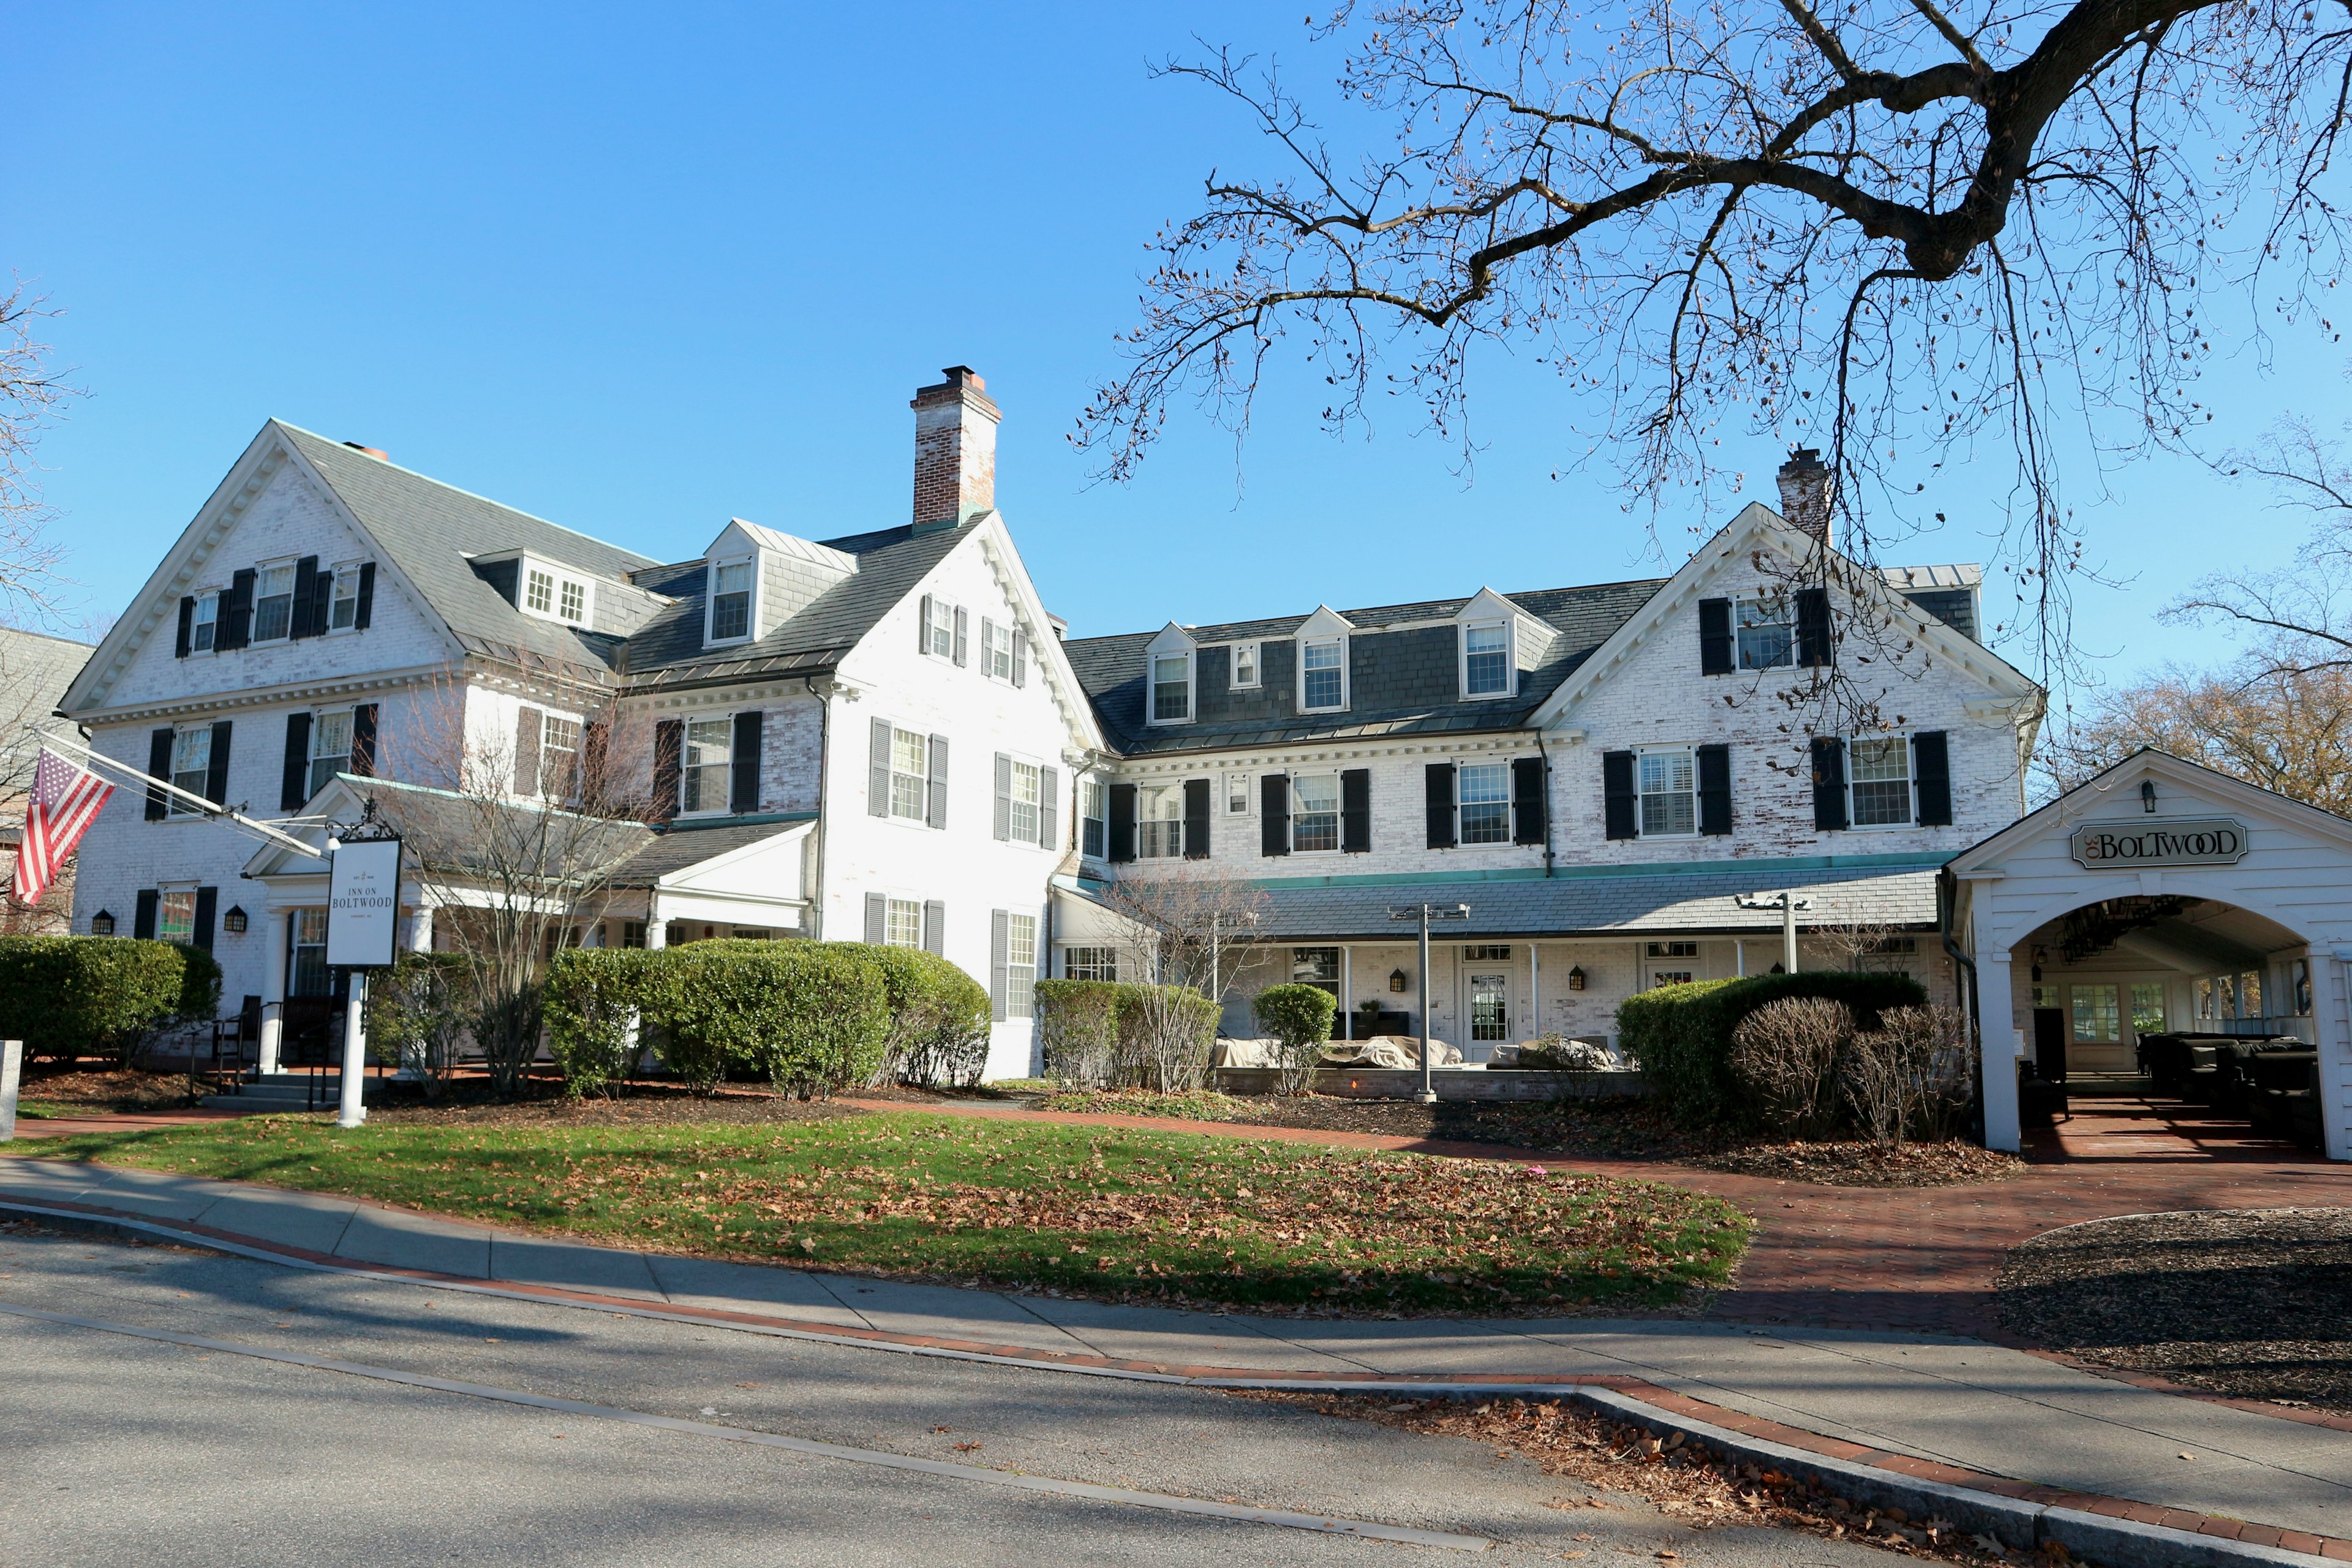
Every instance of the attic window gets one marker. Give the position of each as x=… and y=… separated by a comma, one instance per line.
x=551, y=596
x=1171, y=689
x=731, y=602
x=1486, y=660
x=1322, y=676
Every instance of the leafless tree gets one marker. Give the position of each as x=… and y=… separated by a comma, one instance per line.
x=1896, y=230
x=31, y=391
x=1186, y=930
x=2301, y=616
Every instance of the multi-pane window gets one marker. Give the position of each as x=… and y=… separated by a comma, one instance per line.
x=1237, y=794
x=731, y=602
x=2098, y=1014
x=1490, y=952
x=1020, y=966
x=1673, y=949
x=572, y=601
x=633, y=933
x=910, y=776
x=1321, y=685
x=707, y=765
x=2250, y=994
x=191, y=765
x=273, y=605
x=1158, y=823
x=1486, y=796
x=558, y=757
x=1090, y=963
x=539, y=591
x=175, y=919
x=330, y=747
x=1669, y=790
x=205, y=627
x=1879, y=773
x=1245, y=664
x=1315, y=812
x=1486, y=661
x=309, y=975
x=1316, y=966
x=1094, y=817
x=343, y=615
x=1025, y=803
x=2148, y=1007
x=939, y=632
x=902, y=923
x=1171, y=689
x=1768, y=634
x=999, y=649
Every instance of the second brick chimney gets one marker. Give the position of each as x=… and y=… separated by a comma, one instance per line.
x=1807, y=492
x=955, y=449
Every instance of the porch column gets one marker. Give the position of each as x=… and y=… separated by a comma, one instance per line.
x=273, y=987
x=1534, y=1024
x=420, y=929
x=2331, y=1018
x=1997, y=1012
x=1347, y=990
x=656, y=928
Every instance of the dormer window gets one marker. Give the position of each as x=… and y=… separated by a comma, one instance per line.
x=1245, y=665
x=1486, y=660
x=731, y=602
x=545, y=590
x=1322, y=676
x=1171, y=689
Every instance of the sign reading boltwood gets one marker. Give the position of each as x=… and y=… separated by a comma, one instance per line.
x=2129, y=845
x=363, y=904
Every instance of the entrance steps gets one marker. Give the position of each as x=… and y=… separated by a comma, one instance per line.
x=278, y=1093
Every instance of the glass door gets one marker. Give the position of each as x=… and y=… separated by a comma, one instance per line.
x=1490, y=1006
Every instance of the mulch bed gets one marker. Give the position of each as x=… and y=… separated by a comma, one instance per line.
x=1861, y=1164
x=2246, y=1302
x=654, y=1106
x=106, y=1088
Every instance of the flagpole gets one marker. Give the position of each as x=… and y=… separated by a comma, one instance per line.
x=194, y=802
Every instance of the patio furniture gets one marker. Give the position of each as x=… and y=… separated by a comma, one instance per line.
x=229, y=1051
x=2040, y=1102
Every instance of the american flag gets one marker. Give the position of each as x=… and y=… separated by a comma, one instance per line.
x=65, y=801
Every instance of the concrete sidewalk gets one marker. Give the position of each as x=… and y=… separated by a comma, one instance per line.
x=1940, y=1400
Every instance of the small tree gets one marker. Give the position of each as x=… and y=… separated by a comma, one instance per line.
x=1911, y=1077
x=1077, y=1023
x=1787, y=1053
x=1185, y=934
x=420, y=1013
x=1300, y=1018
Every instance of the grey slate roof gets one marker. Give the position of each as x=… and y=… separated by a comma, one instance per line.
x=1606, y=905
x=676, y=848
x=1400, y=682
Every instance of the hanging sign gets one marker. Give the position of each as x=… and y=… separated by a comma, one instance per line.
x=363, y=904
x=2130, y=845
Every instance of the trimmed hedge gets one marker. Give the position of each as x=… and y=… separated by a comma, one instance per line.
x=939, y=1018
x=1077, y=1020
x=90, y=995
x=1126, y=1036
x=811, y=1017
x=594, y=994
x=1681, y=1034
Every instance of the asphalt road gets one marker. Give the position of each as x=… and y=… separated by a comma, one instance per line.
x=133, y=1451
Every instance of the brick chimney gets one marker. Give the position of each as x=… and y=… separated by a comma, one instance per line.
x=1807, y=491
x=955, y=449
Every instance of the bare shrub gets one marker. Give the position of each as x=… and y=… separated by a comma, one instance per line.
x=1911, y=1077
x=1787, y=1054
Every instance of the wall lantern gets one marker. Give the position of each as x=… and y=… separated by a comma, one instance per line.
x=2147, y=795
x=1396, y=980
x=1575, y=978
x=233, y=921
x=101, y=924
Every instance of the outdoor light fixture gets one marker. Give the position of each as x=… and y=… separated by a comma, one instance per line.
x=2147, y=795
x=1575, y=978
x=1396, y=980
x=233, y=921
x=101, y=924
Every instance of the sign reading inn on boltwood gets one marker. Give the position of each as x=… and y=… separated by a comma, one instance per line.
x=2128, y=845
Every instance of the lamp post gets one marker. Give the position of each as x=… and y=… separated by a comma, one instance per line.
x=1424, y=914
x=1787, y=903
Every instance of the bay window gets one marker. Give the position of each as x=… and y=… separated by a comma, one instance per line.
x=1669, y=793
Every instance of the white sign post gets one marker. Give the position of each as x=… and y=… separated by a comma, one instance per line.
x=12, y=1063
x=362, y=933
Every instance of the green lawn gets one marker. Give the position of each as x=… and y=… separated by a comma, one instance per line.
x=1121, y=1213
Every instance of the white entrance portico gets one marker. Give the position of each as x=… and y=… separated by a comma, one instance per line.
x=2159, y=898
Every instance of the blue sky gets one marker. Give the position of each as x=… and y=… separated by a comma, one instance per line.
x=641, y=270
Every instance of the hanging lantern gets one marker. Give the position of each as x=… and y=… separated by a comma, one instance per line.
x=233, y=921
x=101, y=924
x=1396, y=980
x=1575, y=978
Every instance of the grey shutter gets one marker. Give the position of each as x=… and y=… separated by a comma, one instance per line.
x=1715, y=789
x=1529, y=809
x=934, y=805
x=1356, y=811
x=529, y=722
x=1274, y=813
x=363, y=609
x=669, y=747
x=1049, y=809
x=923, y=628
x=963, y=637
x=187, y=629
x=1715, y=649
x=1020, y=659
x=1122, y=823
x=207, y=911
x=294, y=785
x=1437, y=795
x=1620, y=806
x=987, y=647
x=1829, y=784
x=935, y=928
x=1814, y=642
x=306, y=588
x=235, y=627
x=143, y=918
x=878, y=770
x=1000, y=949
x=362, y=761
x=878, y=917
x=159, y=766
x=217, y=776
x=744, y=764
x=1003, y=797
x=1196, y=819
x=1931, y=768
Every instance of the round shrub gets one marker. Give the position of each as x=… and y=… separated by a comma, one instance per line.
x=810, y=1017
x=1299, y=1016
x=1681, y=1034
x=938, y=1018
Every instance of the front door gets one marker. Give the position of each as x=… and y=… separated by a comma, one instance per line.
x=2050, y=1044
x=1490, y=1006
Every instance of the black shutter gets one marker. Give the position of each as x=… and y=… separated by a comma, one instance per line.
x=217, y=776
x=1049, y=808
x=1829, y=784
x=1715, y=789
x=1196, y=819
x=236, y=627
x=362, y=761
x=529, y=723
x=1274, y=813
x=1003, y=797
x=1715, y=650
x=923, y=628
x=743, y=775
x=1356, y=811
x=877, y=915
x=306, y=588
x=669, y=748
x=1000, y=951
x=159, y=766
x=294, y=783
x=1122, y=823
x=935, y=803
x=1620, y=806
x=963, y=637
x=1813, y=646
x=323, y=604
x=935, y=928
x=207, y=908
x=365, y=606
x=1529, y=807
x=1931, y=767
x=878, y=769
x=1437, y=793
x=187, y=629
x=595, y=745
x=142, y=919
